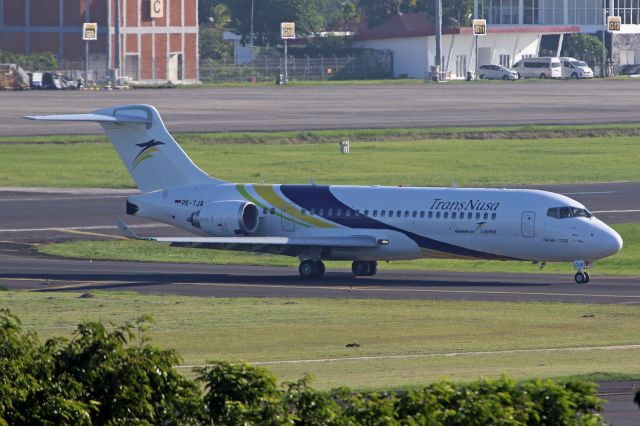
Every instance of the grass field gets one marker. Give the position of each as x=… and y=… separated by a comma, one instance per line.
x=623, y=263
x=417, y=333
x=424, y=163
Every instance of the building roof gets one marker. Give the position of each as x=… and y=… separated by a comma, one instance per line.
x=418, y=25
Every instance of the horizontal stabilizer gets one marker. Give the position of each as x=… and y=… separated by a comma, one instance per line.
x=98, y=118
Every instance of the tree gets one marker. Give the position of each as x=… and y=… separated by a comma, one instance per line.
x=211, y=31
x=267, y=16
x=585, y=47
x=455, y=13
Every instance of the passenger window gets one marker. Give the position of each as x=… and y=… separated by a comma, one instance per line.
x=493, y=216
x=390, y=213
x=422, y=215
x=382, y=213
x=430, y=215
x=272, y=211
x=264, y=210
x=415, y=214
x=477, y=216
x=375, y=213
x=486, y=216
x=469, y=215
x=347, y=212
x=330, y=212
x=438, y=215
x=338, y=212
x=321, y=212
x=446, y=215
x=366, y=212
x=453, y=215
x=406, y=213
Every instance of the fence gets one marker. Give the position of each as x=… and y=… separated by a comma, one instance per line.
x=366, y=65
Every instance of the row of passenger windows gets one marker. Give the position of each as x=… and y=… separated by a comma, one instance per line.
x=567, y=212
x=392, y=213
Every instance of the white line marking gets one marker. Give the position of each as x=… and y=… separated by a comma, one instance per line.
x=434, y=355
x=83, y=228
x=616, y=211
x=80, y=198
x=413, y=290
x=590, y=193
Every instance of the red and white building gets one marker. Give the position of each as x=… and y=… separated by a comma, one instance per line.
x=148, y=41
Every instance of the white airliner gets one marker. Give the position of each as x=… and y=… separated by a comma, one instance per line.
x=363, y=224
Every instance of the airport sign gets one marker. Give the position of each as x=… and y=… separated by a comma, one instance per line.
x=614, y=23
x=479, y=27
x=288, y=30
x=89, y=31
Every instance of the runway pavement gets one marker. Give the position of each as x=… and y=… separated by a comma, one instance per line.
x=37, y=216
x=341, y=107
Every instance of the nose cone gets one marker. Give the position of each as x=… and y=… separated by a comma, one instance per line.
x=611, y=242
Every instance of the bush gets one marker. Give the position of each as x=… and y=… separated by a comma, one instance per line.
x=112, y=375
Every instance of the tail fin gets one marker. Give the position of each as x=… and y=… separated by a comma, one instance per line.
x=150, y=154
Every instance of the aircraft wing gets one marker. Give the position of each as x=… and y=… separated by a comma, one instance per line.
x=276, y=245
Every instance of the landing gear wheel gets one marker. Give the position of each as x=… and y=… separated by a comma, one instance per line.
x=360, y=268
x=373, y=268
x=311, y=269
x=586, y=274
x=582, y=277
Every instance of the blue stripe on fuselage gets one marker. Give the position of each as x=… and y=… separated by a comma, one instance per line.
x=320, y=197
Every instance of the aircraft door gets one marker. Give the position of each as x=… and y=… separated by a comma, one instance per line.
x=528, y=224
x=288, y=214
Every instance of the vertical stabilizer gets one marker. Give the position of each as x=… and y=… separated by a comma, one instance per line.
x=150, y=154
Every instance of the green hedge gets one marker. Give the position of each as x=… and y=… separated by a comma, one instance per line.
x=112, y=375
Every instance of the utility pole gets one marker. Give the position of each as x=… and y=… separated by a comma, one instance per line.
x=117, y=19
x=438, y=39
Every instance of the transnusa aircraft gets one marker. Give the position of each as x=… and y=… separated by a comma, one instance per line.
x=362, y=224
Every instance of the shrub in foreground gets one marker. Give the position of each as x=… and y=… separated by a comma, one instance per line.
x=112, y=375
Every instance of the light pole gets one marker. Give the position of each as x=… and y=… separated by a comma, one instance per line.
x=438, y=39
x=252, y=25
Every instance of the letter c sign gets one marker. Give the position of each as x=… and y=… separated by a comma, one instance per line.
x=157, y=8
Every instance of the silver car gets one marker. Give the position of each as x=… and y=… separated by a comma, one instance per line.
x=496, y=72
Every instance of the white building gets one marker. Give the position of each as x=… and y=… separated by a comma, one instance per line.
x=588, y=15
x=411, y=38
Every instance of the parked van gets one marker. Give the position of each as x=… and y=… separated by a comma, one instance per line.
x=573, y=68
x=545, y=67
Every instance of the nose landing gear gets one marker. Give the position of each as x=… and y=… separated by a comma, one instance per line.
x=582, y=276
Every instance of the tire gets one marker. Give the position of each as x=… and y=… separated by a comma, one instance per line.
x=306, y=269
x=318, y=269
x=519, y=76
x=373, y=268
x=581, y=277
x=505, y=77
x=481, y=77
x=360, y=268
x=574, y=76
x=586, y=274
x=543, y=76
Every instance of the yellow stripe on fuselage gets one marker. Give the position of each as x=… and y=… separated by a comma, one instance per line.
x=269, y=195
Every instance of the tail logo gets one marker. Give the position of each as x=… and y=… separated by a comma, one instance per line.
x=148, y=148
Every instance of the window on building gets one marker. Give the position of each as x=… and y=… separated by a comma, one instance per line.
x=505, y=60
x=461, y=65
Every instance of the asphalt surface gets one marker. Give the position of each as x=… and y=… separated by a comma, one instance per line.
x=270, y=108
x=35, y=217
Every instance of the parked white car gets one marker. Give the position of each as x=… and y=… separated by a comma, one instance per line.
x=573, y=68
x=543, y=67
x=496, y=72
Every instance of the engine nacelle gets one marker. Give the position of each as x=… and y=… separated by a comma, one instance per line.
x=227, y=218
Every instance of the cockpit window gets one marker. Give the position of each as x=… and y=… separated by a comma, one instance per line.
x=567, y=212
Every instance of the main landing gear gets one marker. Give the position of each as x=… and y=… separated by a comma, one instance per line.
x=315, y=268
x=582, y=276
x=361, y=268
x=311, y=269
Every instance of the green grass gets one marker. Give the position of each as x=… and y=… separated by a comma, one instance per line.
x=424, y=163
x=274, y=329
x=376, y=135
x=623, y=263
